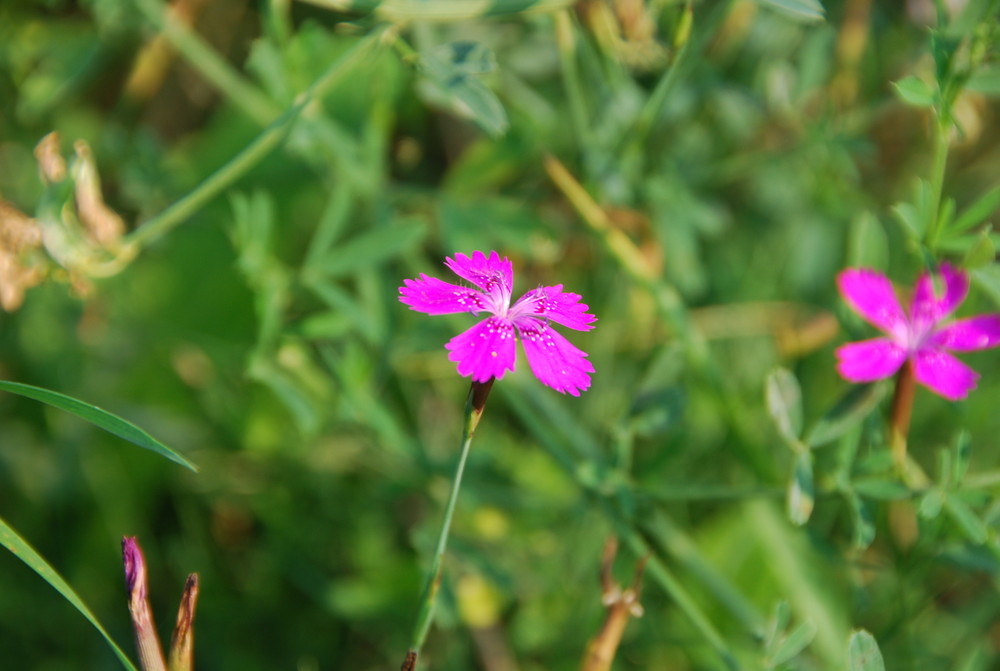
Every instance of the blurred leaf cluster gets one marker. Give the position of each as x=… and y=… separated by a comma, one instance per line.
x=697, y=171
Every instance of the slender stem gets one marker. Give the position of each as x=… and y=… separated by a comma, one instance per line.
x=208, y=63
x=254, y=153
x=678, y=68
x=899, y=419
x=674, y=588
x=216, y=183
x=566, y=41
x=474, y=406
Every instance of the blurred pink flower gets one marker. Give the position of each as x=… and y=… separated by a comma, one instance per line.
x=487, y=349
x=918, y=335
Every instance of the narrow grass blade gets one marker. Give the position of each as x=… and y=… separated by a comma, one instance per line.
x=23, y=551
x=98, y=417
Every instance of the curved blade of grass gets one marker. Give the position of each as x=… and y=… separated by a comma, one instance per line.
x=23, y=551
x=98, y=417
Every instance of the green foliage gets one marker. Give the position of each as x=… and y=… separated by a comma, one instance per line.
x=98, y=417
x=23, y=551
x=698, y=172
x=864, y=652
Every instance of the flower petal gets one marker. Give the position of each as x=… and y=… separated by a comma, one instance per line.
x=554, y=304
x=434, y=297
x=970, y=334
x=927, y=309
x=485, y=351
x=492, y=274
x=553, y=359
x=871, y=295
x=944, y=374
x=869, y=360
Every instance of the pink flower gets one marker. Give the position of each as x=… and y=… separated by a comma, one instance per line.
x=919, y=335
x=487, y=349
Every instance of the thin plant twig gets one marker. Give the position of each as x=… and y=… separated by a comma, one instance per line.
x=474, y=407
x=621, y=604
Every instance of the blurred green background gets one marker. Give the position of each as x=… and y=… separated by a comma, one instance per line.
x=734, y=157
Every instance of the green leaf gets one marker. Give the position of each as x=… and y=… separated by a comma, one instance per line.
x=371, y=248
x=23, y=551
x=852, y=408
x=864, y=523
x=914, y=91
x=792, y=645
x=98, y=417
x=931, y=504
x=784, y=403
x=780, y=617
x=451, y=70
x=977, y=212
x=881, y=489
x=800, y=10
x=973, y=527
x=986, y=80
x=470, y=58
x=801, y=491
x=863, y=653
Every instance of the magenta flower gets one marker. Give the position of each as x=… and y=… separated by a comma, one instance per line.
x=487, y=349
x=919, y=335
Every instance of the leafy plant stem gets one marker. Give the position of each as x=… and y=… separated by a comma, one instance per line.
x=670, y=78
x=208, y=63
x=254, y=153
x=566, y=41
x=474, y=406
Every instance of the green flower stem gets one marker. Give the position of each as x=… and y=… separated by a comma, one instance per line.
x=254, y=153
x=474, y=406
